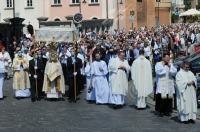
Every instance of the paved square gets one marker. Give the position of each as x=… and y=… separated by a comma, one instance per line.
x=45, y=116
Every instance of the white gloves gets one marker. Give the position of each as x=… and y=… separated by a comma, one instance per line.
x=35, y=76
x=35, y=67
x=75, y=73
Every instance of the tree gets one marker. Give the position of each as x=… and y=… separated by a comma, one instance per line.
x=198, y=6
x=187, y=4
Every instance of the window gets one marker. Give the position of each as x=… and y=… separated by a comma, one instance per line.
x=139, y=0
x=75, y=1
x=9, y=3
x=29, y=3
x=94, y=1
x=57, y=2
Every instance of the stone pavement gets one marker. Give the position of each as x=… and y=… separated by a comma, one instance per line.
x=45, y=116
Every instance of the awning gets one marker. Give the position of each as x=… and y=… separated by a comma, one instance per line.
x=191, y=12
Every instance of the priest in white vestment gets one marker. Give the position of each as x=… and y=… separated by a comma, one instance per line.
x=99, y=71
x=7, y=61
x=141, y=73
x=21, y=82
x=186, y=95
x=118, y=79
x=165, y=73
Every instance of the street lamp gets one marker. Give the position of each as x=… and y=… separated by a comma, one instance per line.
x=13, y=8
x=158, y=1
x=121, y=2
x=107, y=9
x=84, y=2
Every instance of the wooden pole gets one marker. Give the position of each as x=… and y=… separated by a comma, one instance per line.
x=74, y=46
x=118, y=14
x=36, y=83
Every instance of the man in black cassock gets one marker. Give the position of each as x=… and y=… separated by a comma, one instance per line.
x=36, y=74
x=71, y=61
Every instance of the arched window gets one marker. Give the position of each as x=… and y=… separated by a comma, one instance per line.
x=57, y=20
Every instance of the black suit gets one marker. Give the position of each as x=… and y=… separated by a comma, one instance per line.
x=40, y=76
x=130, y=58
x=70, y=71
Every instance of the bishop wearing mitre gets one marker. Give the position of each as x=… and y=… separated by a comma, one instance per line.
x=54, y=84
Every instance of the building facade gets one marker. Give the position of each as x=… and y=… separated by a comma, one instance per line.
x=30, y=10
x=99, y=14
x=163, y=12
x=59, y=9
x=147, y=13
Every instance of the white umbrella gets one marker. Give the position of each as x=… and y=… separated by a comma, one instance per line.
x=190, y=12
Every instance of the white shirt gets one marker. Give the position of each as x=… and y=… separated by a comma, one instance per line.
x=163, y=71
x=147, y=51
x=2, y=65
x=80, y=56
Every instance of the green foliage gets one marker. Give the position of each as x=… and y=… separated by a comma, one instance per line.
x=174, y=18
x=188, y=4
x=198, y=6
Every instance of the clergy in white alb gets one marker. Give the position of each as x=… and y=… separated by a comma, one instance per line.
x=21, y=82
x=90, y=92
x=186, y=94
x=118, y=79
x=2, y=74
x=99, y=71
x=141, y=73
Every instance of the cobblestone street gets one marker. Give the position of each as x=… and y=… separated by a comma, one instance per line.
x=45, y=116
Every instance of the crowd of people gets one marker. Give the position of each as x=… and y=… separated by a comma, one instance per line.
x=108, y=65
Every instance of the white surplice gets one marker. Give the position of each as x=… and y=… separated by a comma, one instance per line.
x=2, y=71
x=118, y=80
x=141, y=73
x=90, y=92
x=99, y=71
x=7, y=60
x=165, y=79
x=186, y=96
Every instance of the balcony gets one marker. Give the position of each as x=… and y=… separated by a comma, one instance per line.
x=56, y=5
x=94, y=4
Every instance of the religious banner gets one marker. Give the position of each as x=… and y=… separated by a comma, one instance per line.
x=59, y=34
